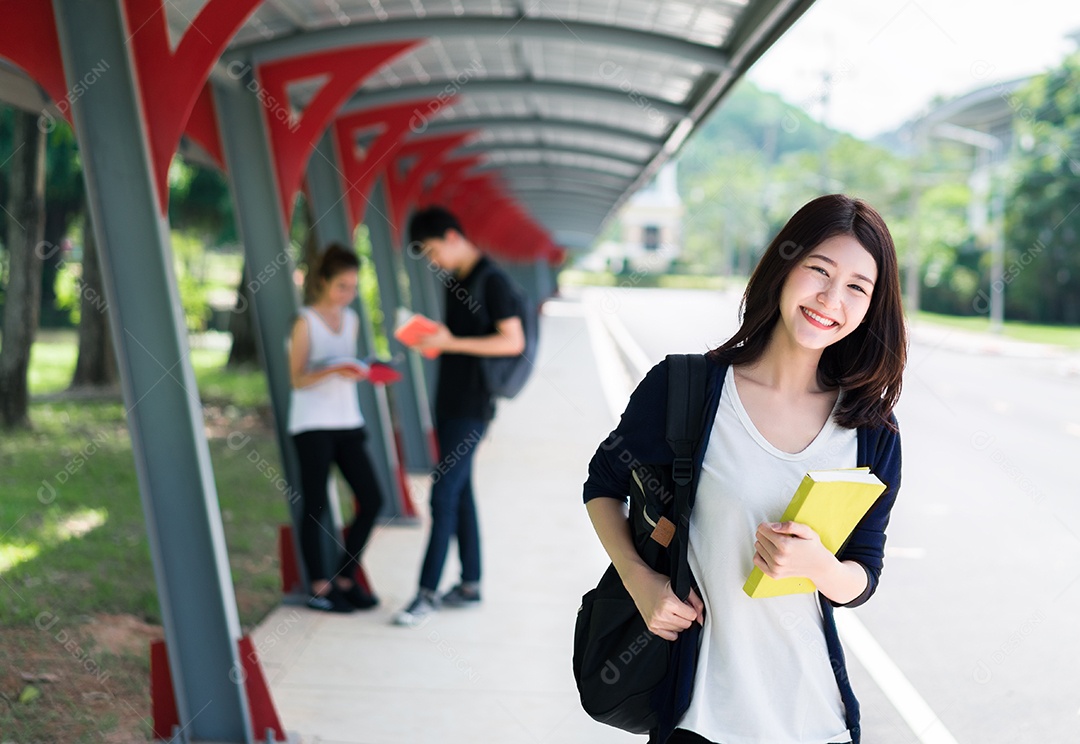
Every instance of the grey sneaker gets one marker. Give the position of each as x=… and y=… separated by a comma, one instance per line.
x=461, y=596
x=418, y=611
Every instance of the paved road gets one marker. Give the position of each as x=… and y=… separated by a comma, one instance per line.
x=980, y=597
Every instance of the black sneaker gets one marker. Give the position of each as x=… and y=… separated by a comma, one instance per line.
x=358, y=598
x=332, y=601
x=461, y=596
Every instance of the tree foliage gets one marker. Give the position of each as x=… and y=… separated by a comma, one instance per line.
x=1042, y=261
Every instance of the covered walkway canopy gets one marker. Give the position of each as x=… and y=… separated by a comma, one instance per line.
x=533, y=120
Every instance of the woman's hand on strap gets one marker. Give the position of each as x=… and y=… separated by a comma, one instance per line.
x=664, y=613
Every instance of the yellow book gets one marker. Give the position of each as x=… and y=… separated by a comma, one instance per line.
x=831, y=502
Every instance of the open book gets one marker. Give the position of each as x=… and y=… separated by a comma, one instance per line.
x=411, y=327
x=376, y=371
x=831, y=502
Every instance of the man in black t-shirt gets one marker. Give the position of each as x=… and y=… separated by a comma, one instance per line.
x=482, y=319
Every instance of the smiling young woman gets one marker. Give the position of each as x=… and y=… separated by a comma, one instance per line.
x=808, y=382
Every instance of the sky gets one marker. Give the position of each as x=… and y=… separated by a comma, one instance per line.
x=890, y=58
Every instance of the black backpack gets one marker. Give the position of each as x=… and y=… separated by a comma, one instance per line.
x=623, y=671
x=506, y=376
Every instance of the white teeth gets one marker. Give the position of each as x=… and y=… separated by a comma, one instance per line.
x=818, y=318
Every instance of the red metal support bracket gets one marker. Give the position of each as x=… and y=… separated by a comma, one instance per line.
x=449, y=179
x=293, y=136
x=264, y=717
x=28, y=38
x=498, y=222
x=202, y=126
x=360, y=167
x=421, y=158
x=171, y=81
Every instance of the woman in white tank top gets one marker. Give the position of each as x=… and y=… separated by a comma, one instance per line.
x=327, y=427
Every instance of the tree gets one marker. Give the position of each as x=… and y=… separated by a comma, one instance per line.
x=96, y=365
x=65, y=203
x=1042, y=262
x=25, y=229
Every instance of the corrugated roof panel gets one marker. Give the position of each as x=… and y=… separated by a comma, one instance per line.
x=597, y=143
x=591, y=162
x=270, y=20
x=630, y=117
x=484, y=106
x=495, y=137
x=636, y=72
x=455, y=60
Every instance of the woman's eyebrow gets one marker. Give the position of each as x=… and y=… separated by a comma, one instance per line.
x=829, y=261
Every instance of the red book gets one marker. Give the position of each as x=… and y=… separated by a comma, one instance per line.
x=376, y=372
x=414, y=327
x=381, y=373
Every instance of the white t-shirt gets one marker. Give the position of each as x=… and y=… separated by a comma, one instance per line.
x=331, y=403
x=763, y=673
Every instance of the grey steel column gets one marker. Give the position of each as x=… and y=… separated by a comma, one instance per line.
x=332, y=224
x=172, y=460
x=422, y=299
x=522, y=273
x=268, y=268
x=553, y=277
x=544, y=289
x=410, y=395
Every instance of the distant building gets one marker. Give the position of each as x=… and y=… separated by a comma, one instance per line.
x=651, y=230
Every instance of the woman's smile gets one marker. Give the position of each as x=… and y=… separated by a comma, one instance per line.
x=818, y=320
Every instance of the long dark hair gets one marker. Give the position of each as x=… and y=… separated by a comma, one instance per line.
x=868, y=364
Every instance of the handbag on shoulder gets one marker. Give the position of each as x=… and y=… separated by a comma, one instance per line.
x=619, y=665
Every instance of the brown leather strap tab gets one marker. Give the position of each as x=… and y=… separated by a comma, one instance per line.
x=664, y=531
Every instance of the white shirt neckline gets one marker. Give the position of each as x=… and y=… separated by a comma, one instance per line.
x=817, y=443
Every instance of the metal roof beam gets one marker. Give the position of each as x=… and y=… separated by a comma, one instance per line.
x=534, y=169
x=576, y=239
x=563, y=220
x=533, y=123
x=437, y=93
x=291, y=14
x=565, y=186
x=549, y=195
x=600, y=163
x=557, y=214
x=485, y=148
x=545, y=29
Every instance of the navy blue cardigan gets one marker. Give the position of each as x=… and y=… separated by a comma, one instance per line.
x=639, y=438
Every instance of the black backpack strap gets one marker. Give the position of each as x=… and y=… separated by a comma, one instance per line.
x=685, y=411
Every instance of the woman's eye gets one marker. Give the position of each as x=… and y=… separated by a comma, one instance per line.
x=856, y=286
x=818, y=268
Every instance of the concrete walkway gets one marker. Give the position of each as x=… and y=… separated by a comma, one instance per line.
x=496, y=673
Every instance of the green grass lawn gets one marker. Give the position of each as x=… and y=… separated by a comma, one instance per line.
x=74, y=538
x=1068, y=336
x=73, y=542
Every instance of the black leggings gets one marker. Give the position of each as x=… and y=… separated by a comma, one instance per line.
x=317, y=450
